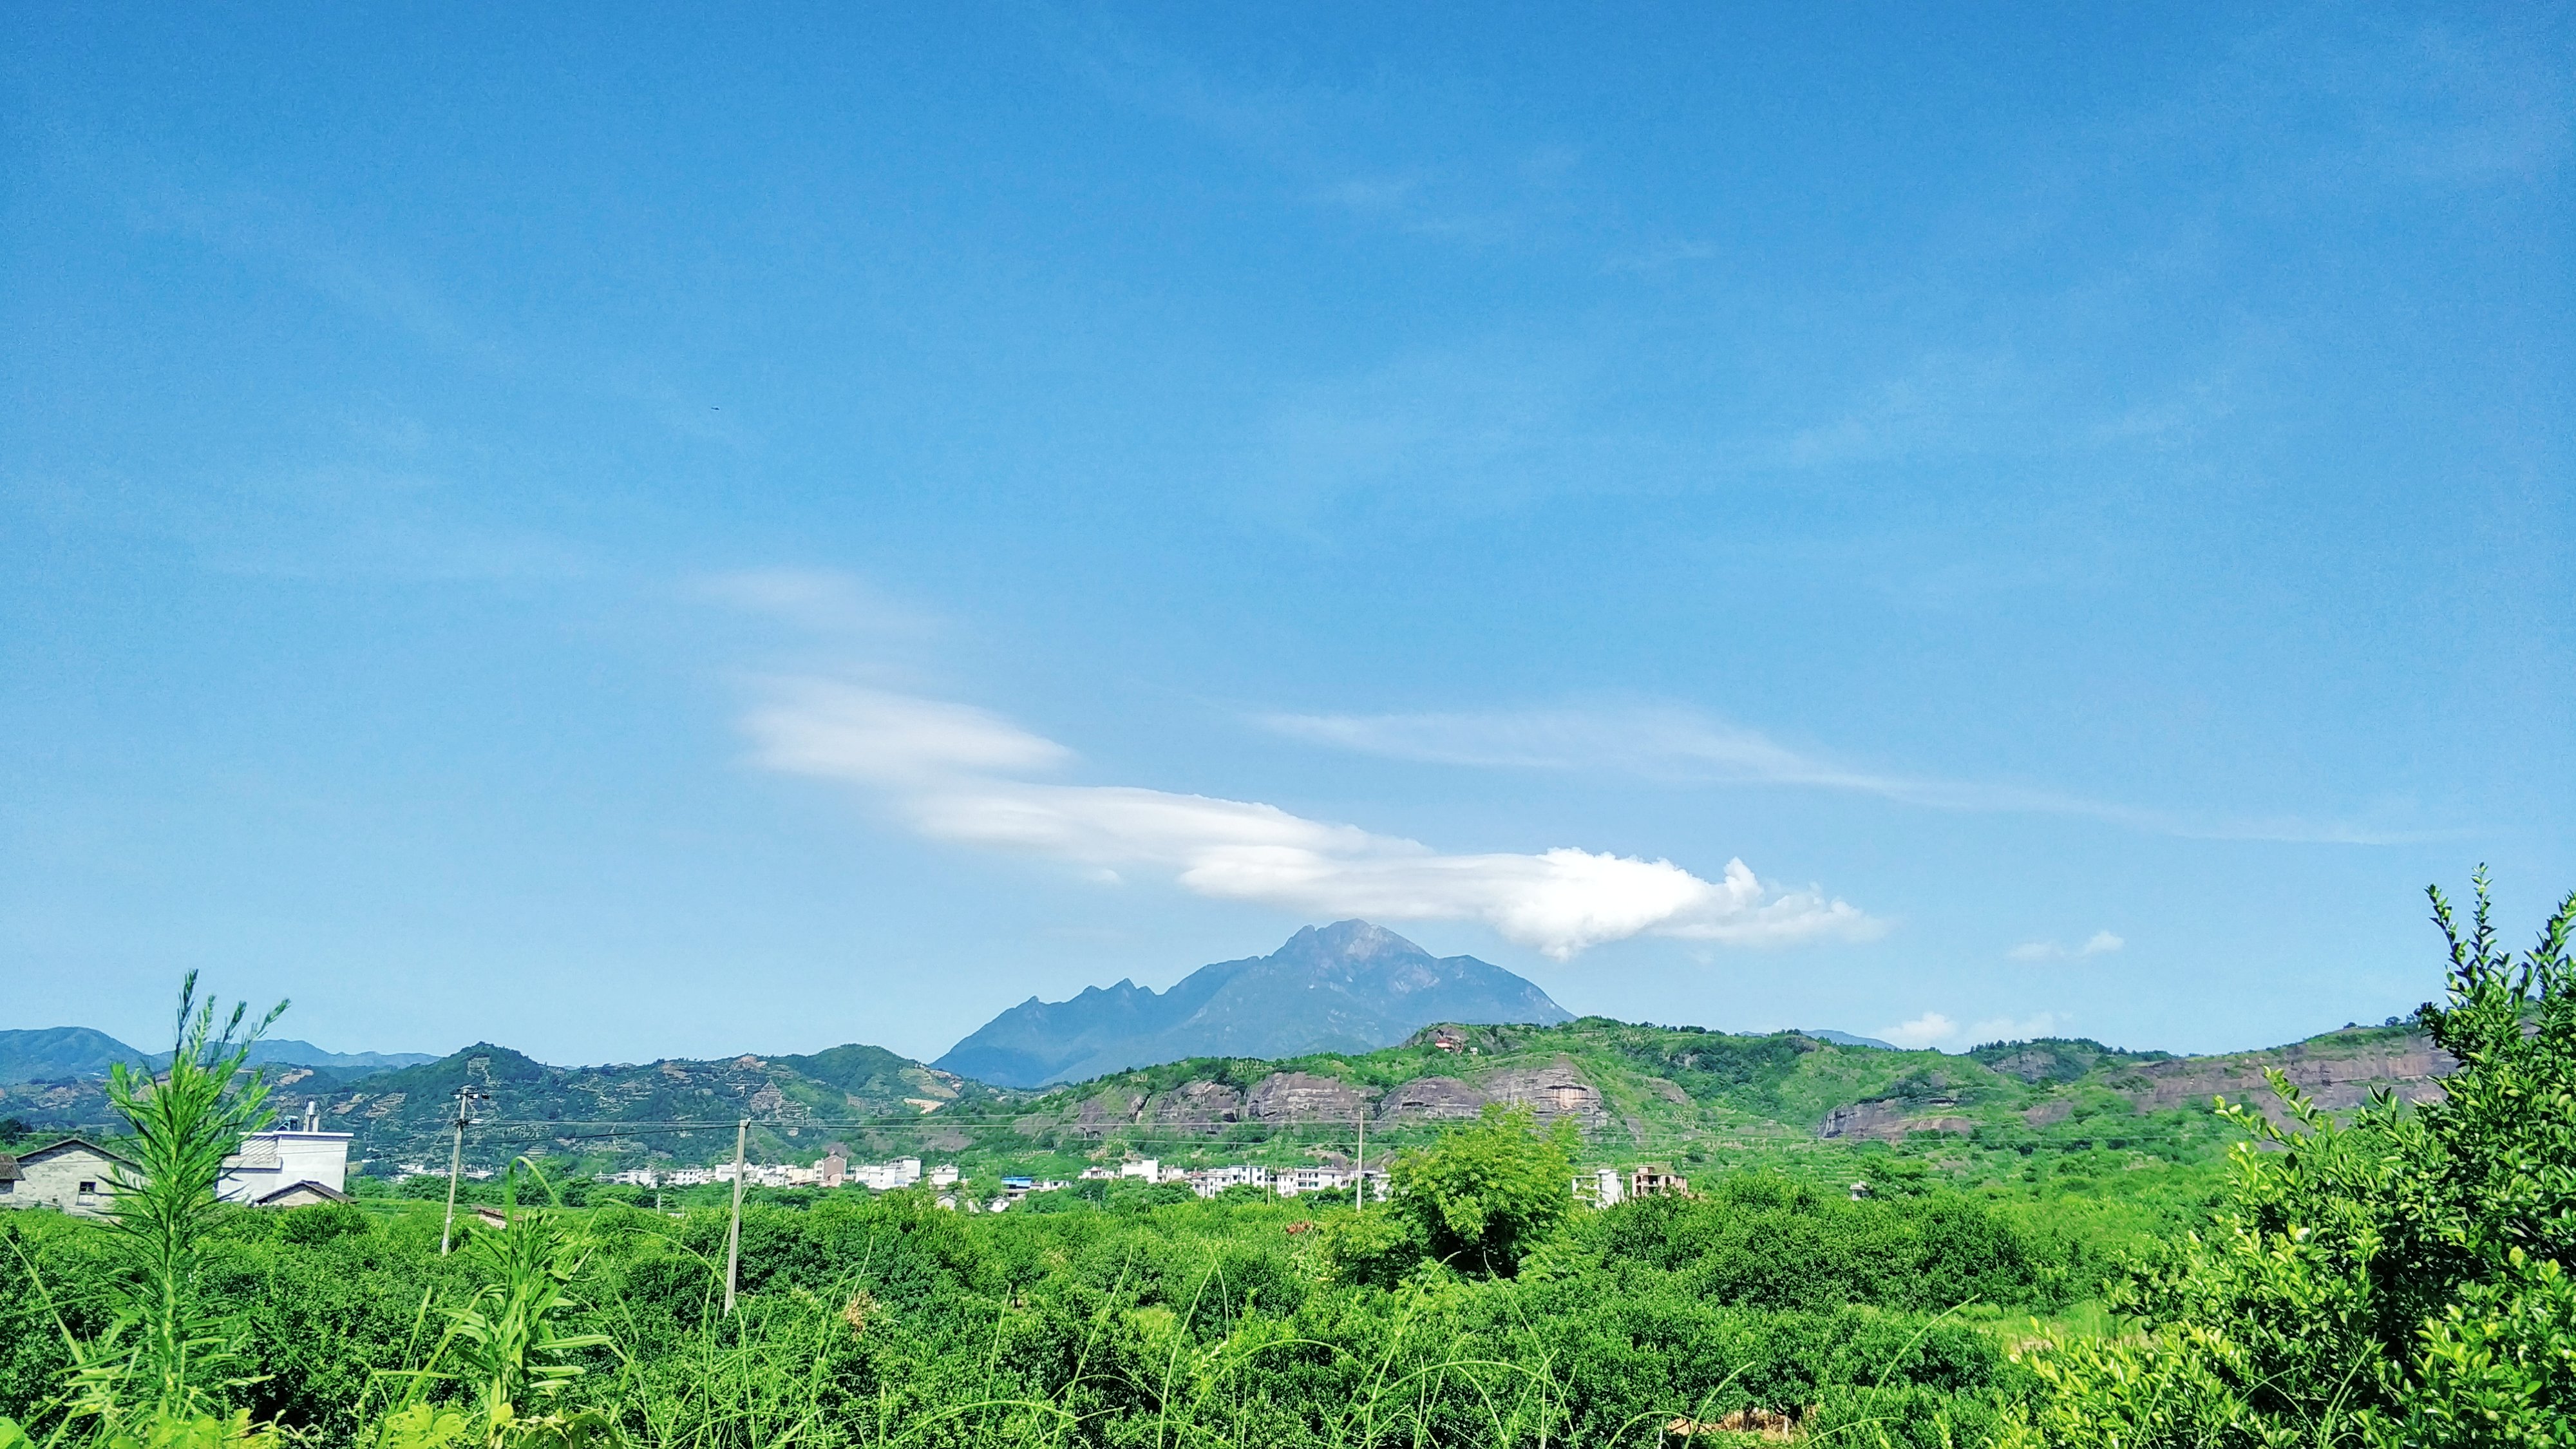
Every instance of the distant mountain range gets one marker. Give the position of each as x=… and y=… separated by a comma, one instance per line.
x=1277, y=1053
x=1634, y=1092
x=1350, y=986
x=67, y=1053
x=1844, y=1038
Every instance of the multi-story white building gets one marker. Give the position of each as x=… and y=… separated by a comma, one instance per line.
x=1601, y=1187
x=886, y=1176
x=1209, y=1181
x=1292, y=1181
x=288, y=1166
x=771, y=1174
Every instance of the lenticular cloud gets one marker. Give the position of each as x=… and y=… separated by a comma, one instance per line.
x=949, y=768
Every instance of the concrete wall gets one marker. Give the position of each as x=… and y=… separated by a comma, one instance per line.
x=54, y=1178
x=321, y=1157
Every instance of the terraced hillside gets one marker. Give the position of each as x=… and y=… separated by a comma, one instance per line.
x=1634, y=1092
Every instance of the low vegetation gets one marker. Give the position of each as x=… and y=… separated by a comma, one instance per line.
x=2397, y=1276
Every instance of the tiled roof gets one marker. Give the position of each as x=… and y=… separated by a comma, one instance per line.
x=51, y=1148
x=324, y=1191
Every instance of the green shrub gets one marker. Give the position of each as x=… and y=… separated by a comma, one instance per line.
x=2400, y=1279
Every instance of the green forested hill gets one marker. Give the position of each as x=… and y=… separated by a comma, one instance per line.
x=1636, y=1092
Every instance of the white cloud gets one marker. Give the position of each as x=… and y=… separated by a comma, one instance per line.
x=1929, y=1029
x=843, y=731
x=825, y=601
x=1666, y=743
x=2100, y=943
x=2005, y=1028
x=954, y=772
x=1932, y=1029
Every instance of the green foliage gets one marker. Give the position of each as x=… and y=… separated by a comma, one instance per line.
x=323, y=1221
x=507, y=1341
x=2398, y=1279
x=885, y=1320
x=1488, y=1192
x=1373, y=1249
x=159, y=1363
x=1763, y=1240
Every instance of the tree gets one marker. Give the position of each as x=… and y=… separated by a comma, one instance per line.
x=1488, y=1192
x=2401, y=1279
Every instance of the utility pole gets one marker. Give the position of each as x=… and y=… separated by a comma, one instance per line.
x=733, y=1236
x=1359, y=1179
x=456, y=1162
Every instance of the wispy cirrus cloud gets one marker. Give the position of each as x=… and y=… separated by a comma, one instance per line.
x=958, y=773
x=819, y=601
x=1675, y=744
x=2100, y=943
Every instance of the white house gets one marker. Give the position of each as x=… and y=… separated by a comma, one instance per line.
x=1209, y=1181
x=288, y=1166
x=76, y=1176
x=1294, y=1180
x=1601, y=1187
x=886, y=1176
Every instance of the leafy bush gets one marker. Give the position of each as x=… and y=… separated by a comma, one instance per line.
x=1488, y=1192
x=2400, y=1279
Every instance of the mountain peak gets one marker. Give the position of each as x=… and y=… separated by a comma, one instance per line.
x=1349, y=986
x=1352, y=940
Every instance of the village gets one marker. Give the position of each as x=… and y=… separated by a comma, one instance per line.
x=1599, y=1187
x=835, y=1171
x=294, y=1166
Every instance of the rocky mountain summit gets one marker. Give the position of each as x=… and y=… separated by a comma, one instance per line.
x=1348, y=987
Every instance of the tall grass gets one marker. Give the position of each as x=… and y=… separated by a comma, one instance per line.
x=159, y=1372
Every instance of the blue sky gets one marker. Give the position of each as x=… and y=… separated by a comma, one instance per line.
x=673, y=533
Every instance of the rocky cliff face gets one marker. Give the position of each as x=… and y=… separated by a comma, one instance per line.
x=2336, y=1071
x=1551, y=1090
x=1892, y=1120
x=2336, y=1079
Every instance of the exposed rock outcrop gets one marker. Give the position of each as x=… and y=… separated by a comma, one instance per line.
x=2336, y=1079
x=1304, y=1097
x=1196, y=1106
x=1892, y=1119
x=1430, y=1099
x=1105, y=1110
x=1558, y=1089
